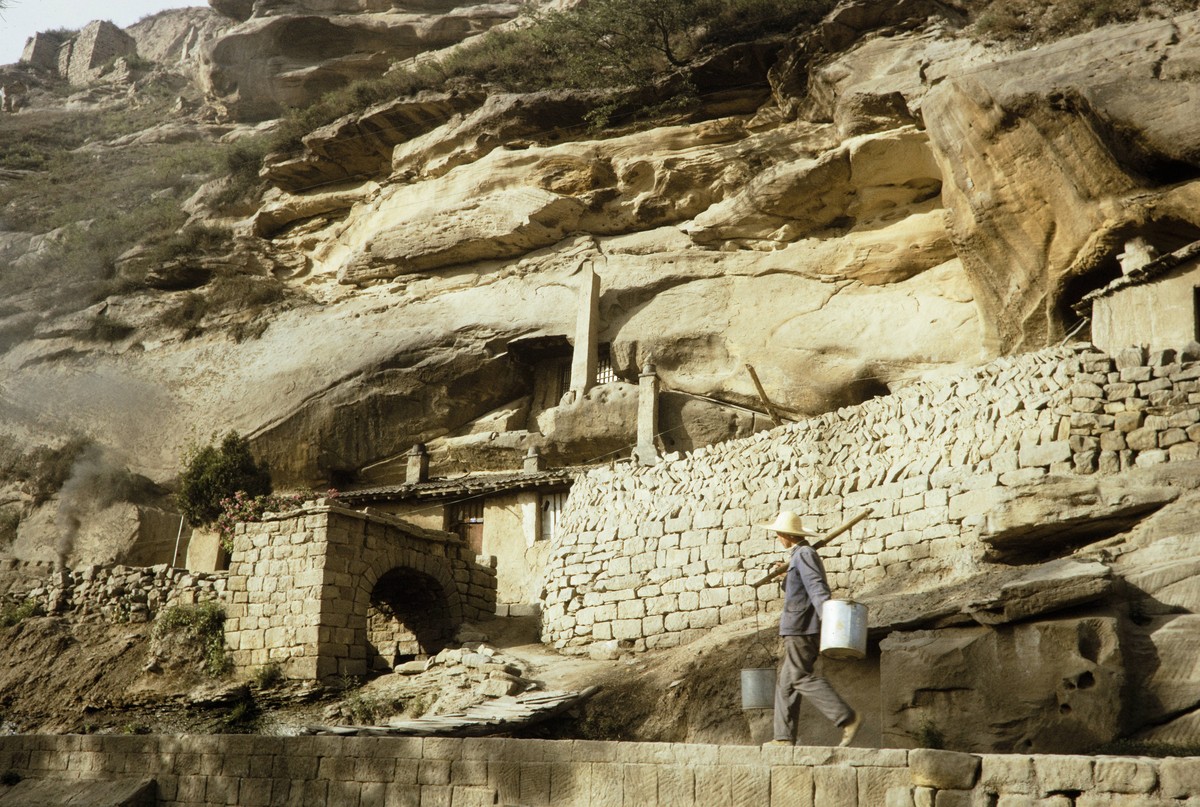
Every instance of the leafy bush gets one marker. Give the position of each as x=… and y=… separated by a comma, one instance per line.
x=16, y=613
x=10, y=520
x=214, y=473
x=203, y=624
x=268, y=676
x=106, y=329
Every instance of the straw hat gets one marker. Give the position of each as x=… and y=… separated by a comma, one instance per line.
x=789, y=523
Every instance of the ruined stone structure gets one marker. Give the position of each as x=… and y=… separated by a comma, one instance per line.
x=41, y=51
x=255, y=771
x=327, y=591
x=86, y=57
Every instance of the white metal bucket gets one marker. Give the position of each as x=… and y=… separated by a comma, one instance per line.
x=844, y=629
x=758, y=688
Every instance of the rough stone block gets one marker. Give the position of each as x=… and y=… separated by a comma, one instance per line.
x=945, y=770
x=1056, y=773
x=1045, y=454
x=1124, y=775
x=791, y=786
x=835, y=784
x=1179, y=778
x=1008, y=773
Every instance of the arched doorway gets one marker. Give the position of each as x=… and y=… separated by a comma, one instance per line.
x=408, y=619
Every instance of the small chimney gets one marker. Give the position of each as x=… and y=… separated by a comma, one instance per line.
x=1138, y=252
x=418, y=465
x=533, y=461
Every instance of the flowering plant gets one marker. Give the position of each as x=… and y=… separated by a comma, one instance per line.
x=241, y=507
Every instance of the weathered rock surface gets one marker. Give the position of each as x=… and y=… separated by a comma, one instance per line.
x=289, y=56
x=1056, y=515
x=1036, y=687
x=1010, y=224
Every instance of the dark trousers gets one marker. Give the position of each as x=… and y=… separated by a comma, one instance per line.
x=796, y=680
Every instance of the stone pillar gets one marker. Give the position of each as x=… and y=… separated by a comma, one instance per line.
x=646, y=451
x=418, y=465
x=587, y=332
x=533, y=461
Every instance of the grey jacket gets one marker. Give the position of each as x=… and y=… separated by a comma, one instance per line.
x=805, y=591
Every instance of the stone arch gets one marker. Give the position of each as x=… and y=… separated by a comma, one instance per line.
x=409, y=617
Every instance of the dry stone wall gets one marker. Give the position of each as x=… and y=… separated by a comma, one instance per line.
x=255, y=771
x=122, y=593
x=653, y=556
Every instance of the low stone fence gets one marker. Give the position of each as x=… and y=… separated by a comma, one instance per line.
x=654, y=556
x=255, y=771
x=123, y=593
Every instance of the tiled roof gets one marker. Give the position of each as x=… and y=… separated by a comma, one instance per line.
x=470, y=484
x=1156, y=268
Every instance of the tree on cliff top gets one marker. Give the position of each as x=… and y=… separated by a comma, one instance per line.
x=212, y=474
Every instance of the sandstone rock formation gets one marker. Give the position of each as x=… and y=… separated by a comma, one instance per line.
x=288, y=54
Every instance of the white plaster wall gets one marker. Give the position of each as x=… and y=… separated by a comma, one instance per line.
x=1160, y=314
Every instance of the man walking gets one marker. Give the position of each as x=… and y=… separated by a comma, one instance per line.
x=805, y=591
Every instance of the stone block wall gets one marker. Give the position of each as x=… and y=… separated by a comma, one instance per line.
x=256, y=771
x=300, y=585
x=126, y=593
x=653, y=556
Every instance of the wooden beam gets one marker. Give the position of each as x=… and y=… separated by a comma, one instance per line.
x=762, y=395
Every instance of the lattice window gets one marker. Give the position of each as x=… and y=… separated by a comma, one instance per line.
x=605, y=374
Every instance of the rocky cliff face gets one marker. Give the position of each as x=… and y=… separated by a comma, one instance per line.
x=869, y=202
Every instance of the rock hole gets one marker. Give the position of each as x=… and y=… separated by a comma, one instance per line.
x=1065, y=708
x=1085, y=680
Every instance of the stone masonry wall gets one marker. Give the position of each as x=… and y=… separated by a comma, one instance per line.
x=127, y=593
x=653, y=556
x=300, y=585
x=255, y=771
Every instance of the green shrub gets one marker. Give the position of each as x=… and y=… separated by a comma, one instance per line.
x=242, y=717
x=268, y=676
x=16, y=613
x=203, y=624
x=10, y=520
x=213, y=473
x=106, y=329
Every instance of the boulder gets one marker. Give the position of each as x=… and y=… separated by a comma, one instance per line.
x=1059, y=514
x=1039, y=687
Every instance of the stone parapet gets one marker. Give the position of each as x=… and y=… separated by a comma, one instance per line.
x=929, y=461
x=255, y=771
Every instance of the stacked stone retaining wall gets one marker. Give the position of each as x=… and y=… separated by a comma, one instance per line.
x=255, y=771
x=653, y=556
x=120, y=593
